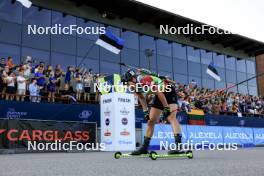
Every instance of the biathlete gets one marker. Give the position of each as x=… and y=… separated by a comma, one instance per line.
x=165, y=101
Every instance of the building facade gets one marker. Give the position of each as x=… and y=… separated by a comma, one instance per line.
x=181, y=62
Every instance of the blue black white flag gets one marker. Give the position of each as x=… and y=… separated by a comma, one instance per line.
x=25, y=3
x=110, y=42
x=211, y=70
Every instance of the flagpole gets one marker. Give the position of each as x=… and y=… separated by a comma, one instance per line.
x=86, y=54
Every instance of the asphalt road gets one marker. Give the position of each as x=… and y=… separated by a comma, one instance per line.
x=243, y=162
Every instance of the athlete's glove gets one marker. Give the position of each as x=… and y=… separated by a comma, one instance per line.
x=146, y=115
x=166, y=113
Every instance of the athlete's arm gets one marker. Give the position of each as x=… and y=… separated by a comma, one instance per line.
x=142, y=101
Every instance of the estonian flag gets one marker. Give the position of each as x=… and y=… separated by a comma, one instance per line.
x=110, y=42
x=213, y=72
x=25, y=3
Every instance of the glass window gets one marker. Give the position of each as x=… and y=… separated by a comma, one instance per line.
x=164, y=63
x=253, y=90
x=167, y=74
x=36, y=55
x=92, y=25
x=11, y=12
x=87, y=48
x=241, y=77
x=194, y=69
x=241, y=65
x=114, y=30
x=251, y=67
x=109, y=68
x=147, y=42
x=33, y=16
x=230, y=63
x=179, y=51
x=252, y=82
x=242, y=89
x=12, y=51
x=180, y=66
x=64, y=44
x=196, y=79
x=219, y=60
x=231, y=76
x=131, y=39
x=206, y=57
x=181, y=78
x=109, y=56
x=10, y=32
x=66, y=21
x=163, y=47
x=63, y=59
x=233, y=89
x=88, y=64
x=130, y=56
x=148, y=62
x=193, y=54
x=208, y=83
x=220, y=85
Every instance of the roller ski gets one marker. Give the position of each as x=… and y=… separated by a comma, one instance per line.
x=119, y=155
x=178, y=154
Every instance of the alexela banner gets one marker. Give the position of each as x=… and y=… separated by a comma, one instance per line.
x=118, y=122
x=206, y=135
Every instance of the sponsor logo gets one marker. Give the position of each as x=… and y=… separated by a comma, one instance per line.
x=107, y=101
x=13, y=114
x=124, y=133
x=107, y=133
x=124, y=100
x=85, y=114
x=213, y=122
x=124, y=111
x=107, y=142
x=107, y=121
x=46, y=135
x=125, y=142
x=124, y=121
x=107, y=112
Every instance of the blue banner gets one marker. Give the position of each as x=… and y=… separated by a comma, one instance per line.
x=242, y=136
x=258, y=136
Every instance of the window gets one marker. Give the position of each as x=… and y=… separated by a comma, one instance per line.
x=233, y=89
x=65, y=21
x=33, y=16
x=179, y=51
x=6, y=29
x=64, y=44
x=253, y=90
x=163, y=48
x=109, y=68
x=147, y=42
x=63, y=60
x=83, y=24
x=206, y=57
x=241, y=65
x=251, y=66
x=114, y=30
x=36, y=55
x=231, y=76
x=7, y=8
x=88, y=64
x=252, y=82
x=130, y=56
x=194, y=69
x=230, y=63
x=148, y=62
x=180, y=66
x=219, y=60
x=131, y=39
x=167, y=74
x=109, y=56
x=196, y=79
x=87, y=48
x=193, y=54
x=164, y=63
x=242, y=89
x=241, y=77
x=181, y=78
x=10, y=50
x=208, y=83
x=220, y=85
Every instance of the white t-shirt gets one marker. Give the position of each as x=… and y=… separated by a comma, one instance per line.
x=10, y=81
x=19, y=84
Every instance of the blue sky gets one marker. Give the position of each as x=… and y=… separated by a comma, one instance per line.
x=244, y=17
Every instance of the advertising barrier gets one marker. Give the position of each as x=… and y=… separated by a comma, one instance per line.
x=46, y=135
x=206, y=135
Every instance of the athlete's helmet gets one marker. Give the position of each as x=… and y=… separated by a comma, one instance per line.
x=128, y=75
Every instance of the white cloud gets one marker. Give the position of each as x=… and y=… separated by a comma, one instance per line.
x=244, y=17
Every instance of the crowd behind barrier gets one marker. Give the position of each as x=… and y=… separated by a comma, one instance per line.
x=38, y=82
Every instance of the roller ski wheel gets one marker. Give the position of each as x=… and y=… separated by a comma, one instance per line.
x=153, y=155
x=189, y=154
x=118, y=155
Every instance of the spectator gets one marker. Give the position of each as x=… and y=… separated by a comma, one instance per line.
x=52, y=88
x=10, y=63
x=2, y=63
x=34, y=91
x=79, y=86
x=21, y=87
x=58, y=75
x=68, y=75
x=11, y=89
x=88, y=79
